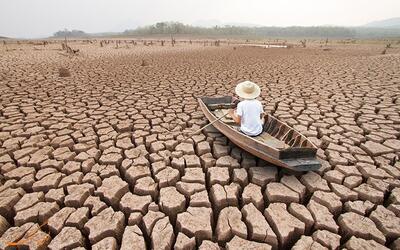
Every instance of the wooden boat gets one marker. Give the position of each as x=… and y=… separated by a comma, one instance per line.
x=279, y=144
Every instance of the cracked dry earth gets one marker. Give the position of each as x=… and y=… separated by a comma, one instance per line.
x=93, y=161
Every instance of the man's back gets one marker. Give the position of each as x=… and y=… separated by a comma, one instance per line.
x=250, y=112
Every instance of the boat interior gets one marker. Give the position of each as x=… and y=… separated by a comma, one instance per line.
x=264, y=137
x=276, y=134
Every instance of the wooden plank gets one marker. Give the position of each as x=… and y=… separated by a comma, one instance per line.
x=221, y=106
x=271, y=141
x=303, y=164
x=216, y=100
x=227, y=119
x=297, y=153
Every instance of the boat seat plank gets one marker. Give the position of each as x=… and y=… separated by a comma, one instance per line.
x=271, y=141
x=303, y=164
x=267, y=139
x=227, y=119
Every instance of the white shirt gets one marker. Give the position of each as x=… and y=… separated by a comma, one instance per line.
x=250, y=111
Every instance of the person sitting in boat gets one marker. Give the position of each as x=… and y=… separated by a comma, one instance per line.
x=249, y=111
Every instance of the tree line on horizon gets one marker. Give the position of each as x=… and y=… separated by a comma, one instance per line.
x=70, y=33
x=177, y=28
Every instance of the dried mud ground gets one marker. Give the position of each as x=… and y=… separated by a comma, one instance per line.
x=93, y=160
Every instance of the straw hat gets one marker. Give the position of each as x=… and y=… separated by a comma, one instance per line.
x=247, y=90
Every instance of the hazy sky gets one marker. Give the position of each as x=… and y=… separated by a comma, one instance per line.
x=41, y=18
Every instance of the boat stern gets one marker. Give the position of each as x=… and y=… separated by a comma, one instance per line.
x=303, y=164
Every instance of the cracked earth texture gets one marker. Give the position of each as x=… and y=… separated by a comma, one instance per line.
x=93, y=160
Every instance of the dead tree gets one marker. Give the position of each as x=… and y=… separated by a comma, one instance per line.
x=173, y=41
x=68, y=49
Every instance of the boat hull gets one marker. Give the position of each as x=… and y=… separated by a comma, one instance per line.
x=261, y=150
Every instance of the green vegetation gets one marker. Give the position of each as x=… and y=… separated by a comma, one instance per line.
x=176, y=28
x=72, y=33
